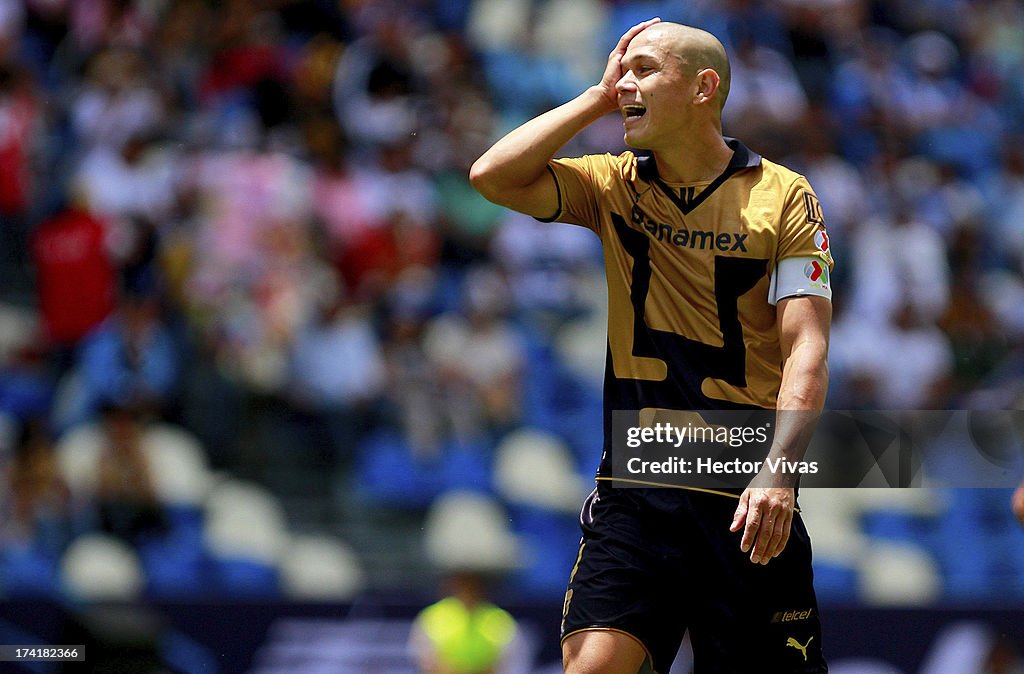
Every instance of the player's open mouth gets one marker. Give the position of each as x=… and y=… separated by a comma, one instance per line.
x=633, y=112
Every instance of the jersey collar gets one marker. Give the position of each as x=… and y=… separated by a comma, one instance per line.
x=742, y=158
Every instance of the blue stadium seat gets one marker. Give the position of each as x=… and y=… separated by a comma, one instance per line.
x=835, y=583
x=175, y=565
x=28, y=571
x=964, y=547
x=388, y=473
x=244, y=578
x=466, y=466
x=551, y=540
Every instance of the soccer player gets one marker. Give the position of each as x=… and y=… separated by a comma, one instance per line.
x=717, y=266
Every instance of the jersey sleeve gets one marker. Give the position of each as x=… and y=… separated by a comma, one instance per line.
x=579, y=181
x=803, y=245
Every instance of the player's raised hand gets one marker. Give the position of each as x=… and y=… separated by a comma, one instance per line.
x=766, y=516
x=1017, y=503
x=613, y=71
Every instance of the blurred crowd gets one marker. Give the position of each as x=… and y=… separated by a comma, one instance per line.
x=251, y=219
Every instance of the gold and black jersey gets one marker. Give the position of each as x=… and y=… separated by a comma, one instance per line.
x=690, y=325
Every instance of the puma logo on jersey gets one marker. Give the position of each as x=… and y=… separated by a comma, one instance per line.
x=800, y=647
x=700, y=239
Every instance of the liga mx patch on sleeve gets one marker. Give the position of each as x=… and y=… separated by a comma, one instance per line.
x=803, y=275
x=817, y=274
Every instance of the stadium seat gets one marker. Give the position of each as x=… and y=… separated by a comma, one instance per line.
x=469, y=530
x=178, y=464
x=99, y=567
x=244, y=577
x=78, y=452
x=550, y=541
x=536, y=468
x=321, y=568
x=174, y=561
x=245, y=536
x=465, y=466
x=898, y=574
x=582, y=346
x=388, y=473
x=27, y=571
x=965, y=526
x=174, y=572
x=831, y=517
x=244, y=520
x=534, y=473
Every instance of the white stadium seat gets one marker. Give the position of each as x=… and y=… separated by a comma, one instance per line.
x=321, y=568
x=245, y=520
x=99, y=567
x=536, y=468
x=467, y=530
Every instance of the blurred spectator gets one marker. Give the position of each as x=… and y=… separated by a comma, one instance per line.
x=21, y=128
x=340, y=204
x=75, y=276
x=180, y=45
x=866, y=90
x=464, y=633
x=951, y=202
x=882, y=276
x=401, y=204
x=379, y=256
x=375, y=95
x=479, y=358
x=414, y=396
x=40, y=501
x=253, y=275
x=393, y=185
x=844, y=199
x=914, y=362
x=26, y=382
x=126, y=497
x=117, y=101
x=95, y=23
x=765, y=88
x=978, y=341
x=337, y=371
x=1004, y=197
x=130, y=359
x=246, y=58
x=543, y=261
x=139, y=179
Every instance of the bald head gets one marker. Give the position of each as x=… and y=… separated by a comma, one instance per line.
x=696, y=48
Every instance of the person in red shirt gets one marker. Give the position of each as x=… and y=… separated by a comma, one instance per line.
x=75, y=275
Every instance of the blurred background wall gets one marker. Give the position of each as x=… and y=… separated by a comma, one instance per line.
x=264, y=351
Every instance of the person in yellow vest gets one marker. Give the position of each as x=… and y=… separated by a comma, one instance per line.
x=464, y=633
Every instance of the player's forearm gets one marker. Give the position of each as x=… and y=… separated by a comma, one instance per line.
x=521, y=157
x=801, y=399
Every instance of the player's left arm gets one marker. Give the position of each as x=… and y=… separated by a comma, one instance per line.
x=765, y=510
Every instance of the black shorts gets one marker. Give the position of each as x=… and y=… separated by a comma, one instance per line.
x=655, y=563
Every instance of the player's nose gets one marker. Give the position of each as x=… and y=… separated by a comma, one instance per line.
x=626, y=83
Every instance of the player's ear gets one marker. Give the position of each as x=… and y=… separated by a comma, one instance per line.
x=707, y=85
